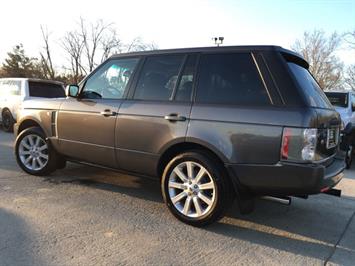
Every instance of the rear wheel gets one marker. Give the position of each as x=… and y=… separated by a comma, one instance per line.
x=34, y=154
x=7, y=121
x=196, y=189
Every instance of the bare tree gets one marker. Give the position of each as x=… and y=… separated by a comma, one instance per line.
x=319, y=50
x=137, y=44
x=73, y=45
x=110, y=44
x=349, y=38
x=350, y=77
x=100, y=41
x=46, y=58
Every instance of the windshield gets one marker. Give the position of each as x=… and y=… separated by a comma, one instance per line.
x=314, y=94
x=338, y=99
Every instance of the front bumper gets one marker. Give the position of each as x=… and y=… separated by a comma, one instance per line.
x=288, y=179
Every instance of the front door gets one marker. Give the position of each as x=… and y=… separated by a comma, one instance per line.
x=86, y=125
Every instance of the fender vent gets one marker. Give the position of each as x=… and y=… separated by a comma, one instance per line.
x=54, y=123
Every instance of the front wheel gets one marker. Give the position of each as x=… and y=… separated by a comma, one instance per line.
x=196, y=189
x=34, y=154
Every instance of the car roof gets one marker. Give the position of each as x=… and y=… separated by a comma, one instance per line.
x=243, y=48
x=34, y=80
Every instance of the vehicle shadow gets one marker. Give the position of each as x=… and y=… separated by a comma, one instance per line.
x=17, y=245
x=299, y=228
x=97, y=178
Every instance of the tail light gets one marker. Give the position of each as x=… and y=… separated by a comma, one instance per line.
x=299, y=144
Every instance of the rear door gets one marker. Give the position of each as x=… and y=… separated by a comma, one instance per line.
x=157, y=113
x=86, y=125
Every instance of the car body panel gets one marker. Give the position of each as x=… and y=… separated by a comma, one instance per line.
x=143, y=132
x=84, y=133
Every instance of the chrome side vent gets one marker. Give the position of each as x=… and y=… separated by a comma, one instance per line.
x=54, y=123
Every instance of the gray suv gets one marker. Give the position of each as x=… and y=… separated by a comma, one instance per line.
x=212, y=124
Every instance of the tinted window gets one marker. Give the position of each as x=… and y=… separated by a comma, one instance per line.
x=158, y=77
x=184, y=90
x=110, y=80
x=338, y=99
x=314, y=94
x=46, y=90
x=10, y=87
x=230, y=79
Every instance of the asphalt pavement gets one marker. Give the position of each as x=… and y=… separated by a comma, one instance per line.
x=83, y=215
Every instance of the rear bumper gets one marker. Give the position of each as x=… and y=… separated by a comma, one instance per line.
x=288, y=179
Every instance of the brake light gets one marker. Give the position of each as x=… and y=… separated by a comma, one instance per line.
x=299, y=144
x=285, y=143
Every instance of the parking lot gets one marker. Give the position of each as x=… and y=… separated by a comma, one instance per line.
x=87, y=216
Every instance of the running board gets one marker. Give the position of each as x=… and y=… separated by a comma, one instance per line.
x=282, y=200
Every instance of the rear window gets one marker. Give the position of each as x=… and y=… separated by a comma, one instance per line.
x=338, y=99
x=230, y=79
x=314, y=95
x=46, y=90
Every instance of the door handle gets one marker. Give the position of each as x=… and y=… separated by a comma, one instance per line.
x=108, y=113
x=174, y=118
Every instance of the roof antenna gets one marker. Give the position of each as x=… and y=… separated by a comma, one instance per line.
x=218, y=40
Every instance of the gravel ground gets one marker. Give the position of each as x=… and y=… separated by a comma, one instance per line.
x=87, y=216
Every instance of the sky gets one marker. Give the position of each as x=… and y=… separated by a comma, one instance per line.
x=174, y=24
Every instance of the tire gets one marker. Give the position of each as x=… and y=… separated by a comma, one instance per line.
x=193, y=208
x=7, y=121
x=349, y=157
x=34, y=154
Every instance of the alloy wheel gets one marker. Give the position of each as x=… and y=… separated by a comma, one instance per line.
x=192, y=190
x=33, y=152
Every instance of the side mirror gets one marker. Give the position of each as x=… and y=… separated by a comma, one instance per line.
x=72, y=91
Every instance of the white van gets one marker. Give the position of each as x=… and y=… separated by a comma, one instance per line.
x=13, y=91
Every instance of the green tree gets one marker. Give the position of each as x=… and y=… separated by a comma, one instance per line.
x=18, y=64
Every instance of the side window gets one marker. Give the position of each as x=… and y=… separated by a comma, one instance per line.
x=110, y=80
x=46, y=90
x=184, y=90
x=10, y=87
x=158, y=77
x=230, y=79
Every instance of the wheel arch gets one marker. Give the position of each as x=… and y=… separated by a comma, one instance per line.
x=27, y=123
x=176, y=148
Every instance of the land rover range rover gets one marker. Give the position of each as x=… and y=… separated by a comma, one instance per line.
x=212, y=124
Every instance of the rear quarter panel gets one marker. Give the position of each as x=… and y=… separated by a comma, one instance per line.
x=245, y=135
